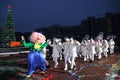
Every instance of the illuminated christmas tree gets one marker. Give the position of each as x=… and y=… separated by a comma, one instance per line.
x=8, y=33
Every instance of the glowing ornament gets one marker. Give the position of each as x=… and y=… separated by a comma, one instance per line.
x=9, y=6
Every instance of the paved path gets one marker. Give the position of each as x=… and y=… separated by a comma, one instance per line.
x=13, y=67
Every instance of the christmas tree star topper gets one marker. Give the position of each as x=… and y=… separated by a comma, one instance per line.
x=9, y=6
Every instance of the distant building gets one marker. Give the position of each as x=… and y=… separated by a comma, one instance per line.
x=115, y=21
x=110, y=24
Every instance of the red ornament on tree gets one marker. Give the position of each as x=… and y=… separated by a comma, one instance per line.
x=9, y=6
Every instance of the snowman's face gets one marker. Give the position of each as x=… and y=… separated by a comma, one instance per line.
x=67, y=39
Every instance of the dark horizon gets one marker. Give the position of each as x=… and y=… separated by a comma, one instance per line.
x=28, y=15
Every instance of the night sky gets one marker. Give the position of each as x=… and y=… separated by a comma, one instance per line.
x=30, y=14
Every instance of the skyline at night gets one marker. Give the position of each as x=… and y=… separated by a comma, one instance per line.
x=28, y=15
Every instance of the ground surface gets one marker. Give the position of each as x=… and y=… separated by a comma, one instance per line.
x=13, y=67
